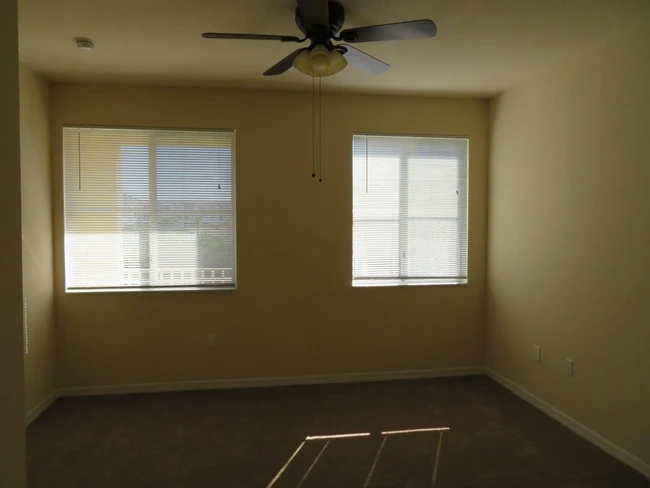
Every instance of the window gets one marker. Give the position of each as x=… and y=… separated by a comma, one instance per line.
x=148, y=209
x=409, y=210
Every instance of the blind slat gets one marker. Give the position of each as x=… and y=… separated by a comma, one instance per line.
x=409, y=210
x=148, y=208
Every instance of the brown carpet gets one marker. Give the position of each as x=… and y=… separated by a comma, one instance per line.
x=243, y=438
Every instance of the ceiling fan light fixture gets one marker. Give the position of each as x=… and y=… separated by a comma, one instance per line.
x=320, y=58
x=320, y=61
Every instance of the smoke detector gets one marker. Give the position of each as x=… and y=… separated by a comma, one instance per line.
x=85, y=44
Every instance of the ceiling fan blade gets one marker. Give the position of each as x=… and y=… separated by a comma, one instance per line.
x=315, y=12
x=363, y=61
x=251, y=37
x=284, y=64
x=414, y=29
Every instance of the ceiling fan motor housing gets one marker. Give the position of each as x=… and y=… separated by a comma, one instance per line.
x=323, y=35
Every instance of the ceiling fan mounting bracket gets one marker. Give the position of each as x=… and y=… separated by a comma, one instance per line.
x=336, y=21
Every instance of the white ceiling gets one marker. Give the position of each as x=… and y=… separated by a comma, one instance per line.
x=482, y=47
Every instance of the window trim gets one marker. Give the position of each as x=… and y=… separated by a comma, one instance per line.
x=403, y=281
x=154, y=289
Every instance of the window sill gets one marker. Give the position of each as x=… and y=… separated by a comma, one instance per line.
x=394, y=283
x=154, y=290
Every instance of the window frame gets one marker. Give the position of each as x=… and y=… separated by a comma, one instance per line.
x=155, y=289
x=464, y=183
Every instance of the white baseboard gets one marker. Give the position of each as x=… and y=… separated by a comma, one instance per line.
x=266, y=382
x=583, y=431
x=40, y=408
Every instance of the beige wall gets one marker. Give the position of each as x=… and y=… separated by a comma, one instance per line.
x=38, y=283
x=569, y=237
x=12, y=405
x=295, y=312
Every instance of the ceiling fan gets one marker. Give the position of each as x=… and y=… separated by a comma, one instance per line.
x=320, y=21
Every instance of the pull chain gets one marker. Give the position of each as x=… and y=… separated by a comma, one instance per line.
x=320, y=128
x=313, y=127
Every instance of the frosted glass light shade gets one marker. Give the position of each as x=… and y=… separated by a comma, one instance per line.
x=320, y=61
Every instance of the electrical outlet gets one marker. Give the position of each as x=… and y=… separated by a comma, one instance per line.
x=210, y=341
x=568, y=367
x=537, y=351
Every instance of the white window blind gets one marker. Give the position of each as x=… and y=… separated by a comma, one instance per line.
x=409, y=210
x=148, y=208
